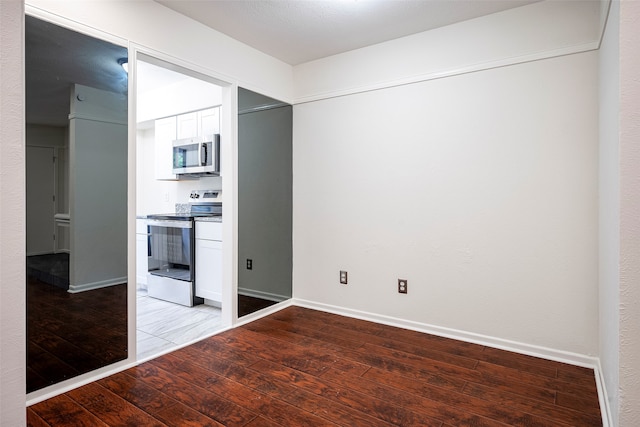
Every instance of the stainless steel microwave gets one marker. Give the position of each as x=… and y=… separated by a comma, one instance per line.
x=197, y=155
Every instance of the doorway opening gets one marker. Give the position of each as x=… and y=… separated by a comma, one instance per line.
x=176, y=104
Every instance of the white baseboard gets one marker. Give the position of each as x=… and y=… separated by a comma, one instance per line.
x=40, y=253
x=517, y=347
x=74, y=289
x=75, y=382
x=263, y=313
x=262, y=295
x=603, y=398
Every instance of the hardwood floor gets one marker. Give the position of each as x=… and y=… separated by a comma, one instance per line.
x=248, y=305
x=300, y=367
x=71, y=334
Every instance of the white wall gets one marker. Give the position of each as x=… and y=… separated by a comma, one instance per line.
x=12, y=221
x=629, y=214
x=480, y=189
x=180, y=97
x=609, y=212
x=511, y=36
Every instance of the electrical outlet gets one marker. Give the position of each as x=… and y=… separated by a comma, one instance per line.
x=402, y=286
x=249, y=264
x=343, y=277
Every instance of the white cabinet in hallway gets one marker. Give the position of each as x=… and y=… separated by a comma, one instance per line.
x=209, y=260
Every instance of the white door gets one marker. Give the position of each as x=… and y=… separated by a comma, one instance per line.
x=40, y=200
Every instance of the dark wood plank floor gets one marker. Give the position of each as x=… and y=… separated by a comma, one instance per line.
x=301, y=367
x=71, y=334
x=248, y=305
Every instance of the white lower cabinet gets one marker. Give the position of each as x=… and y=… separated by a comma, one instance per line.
x=209, y=260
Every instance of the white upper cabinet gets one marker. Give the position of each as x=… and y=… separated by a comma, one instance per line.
x=198, y=123
x=188, y=125
x=209, y=121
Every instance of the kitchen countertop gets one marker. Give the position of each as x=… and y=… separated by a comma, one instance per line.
x=209, y=218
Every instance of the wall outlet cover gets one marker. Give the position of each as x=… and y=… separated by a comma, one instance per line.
x=402, y=286
x=343, y=277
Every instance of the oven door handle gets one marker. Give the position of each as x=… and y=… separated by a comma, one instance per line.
x=169, y=223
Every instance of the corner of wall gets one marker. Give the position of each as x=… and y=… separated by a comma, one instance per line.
x=12, y=205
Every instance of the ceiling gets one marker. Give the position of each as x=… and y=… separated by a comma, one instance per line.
x=298, y=31
x=55, y=59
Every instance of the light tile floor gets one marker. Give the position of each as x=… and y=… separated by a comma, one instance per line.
x=162, y=325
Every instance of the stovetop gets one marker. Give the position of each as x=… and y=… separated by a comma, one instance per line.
x=187, y=216
x=202, y=203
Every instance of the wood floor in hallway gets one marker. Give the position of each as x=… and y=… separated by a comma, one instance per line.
x=301, y=367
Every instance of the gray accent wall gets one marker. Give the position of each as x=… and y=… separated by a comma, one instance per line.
x=264, y=196
x=98, y=189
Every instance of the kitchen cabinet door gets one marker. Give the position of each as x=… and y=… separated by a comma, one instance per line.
x=209, y=269
x=165, y=134
x=187, y=125
x=209, y=121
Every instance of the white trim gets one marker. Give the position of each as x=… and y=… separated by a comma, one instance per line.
x=79, y=381
x=604, y=18
x=81, y=116
x=262, y=295
x=40, y=253
x=74, y=289
x=264, y=312
x=70, y=24
x=603, y=397
x=139, y=52
x=473, y=68
x=485, y=340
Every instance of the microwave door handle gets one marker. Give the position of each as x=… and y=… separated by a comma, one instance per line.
x=203, y=154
